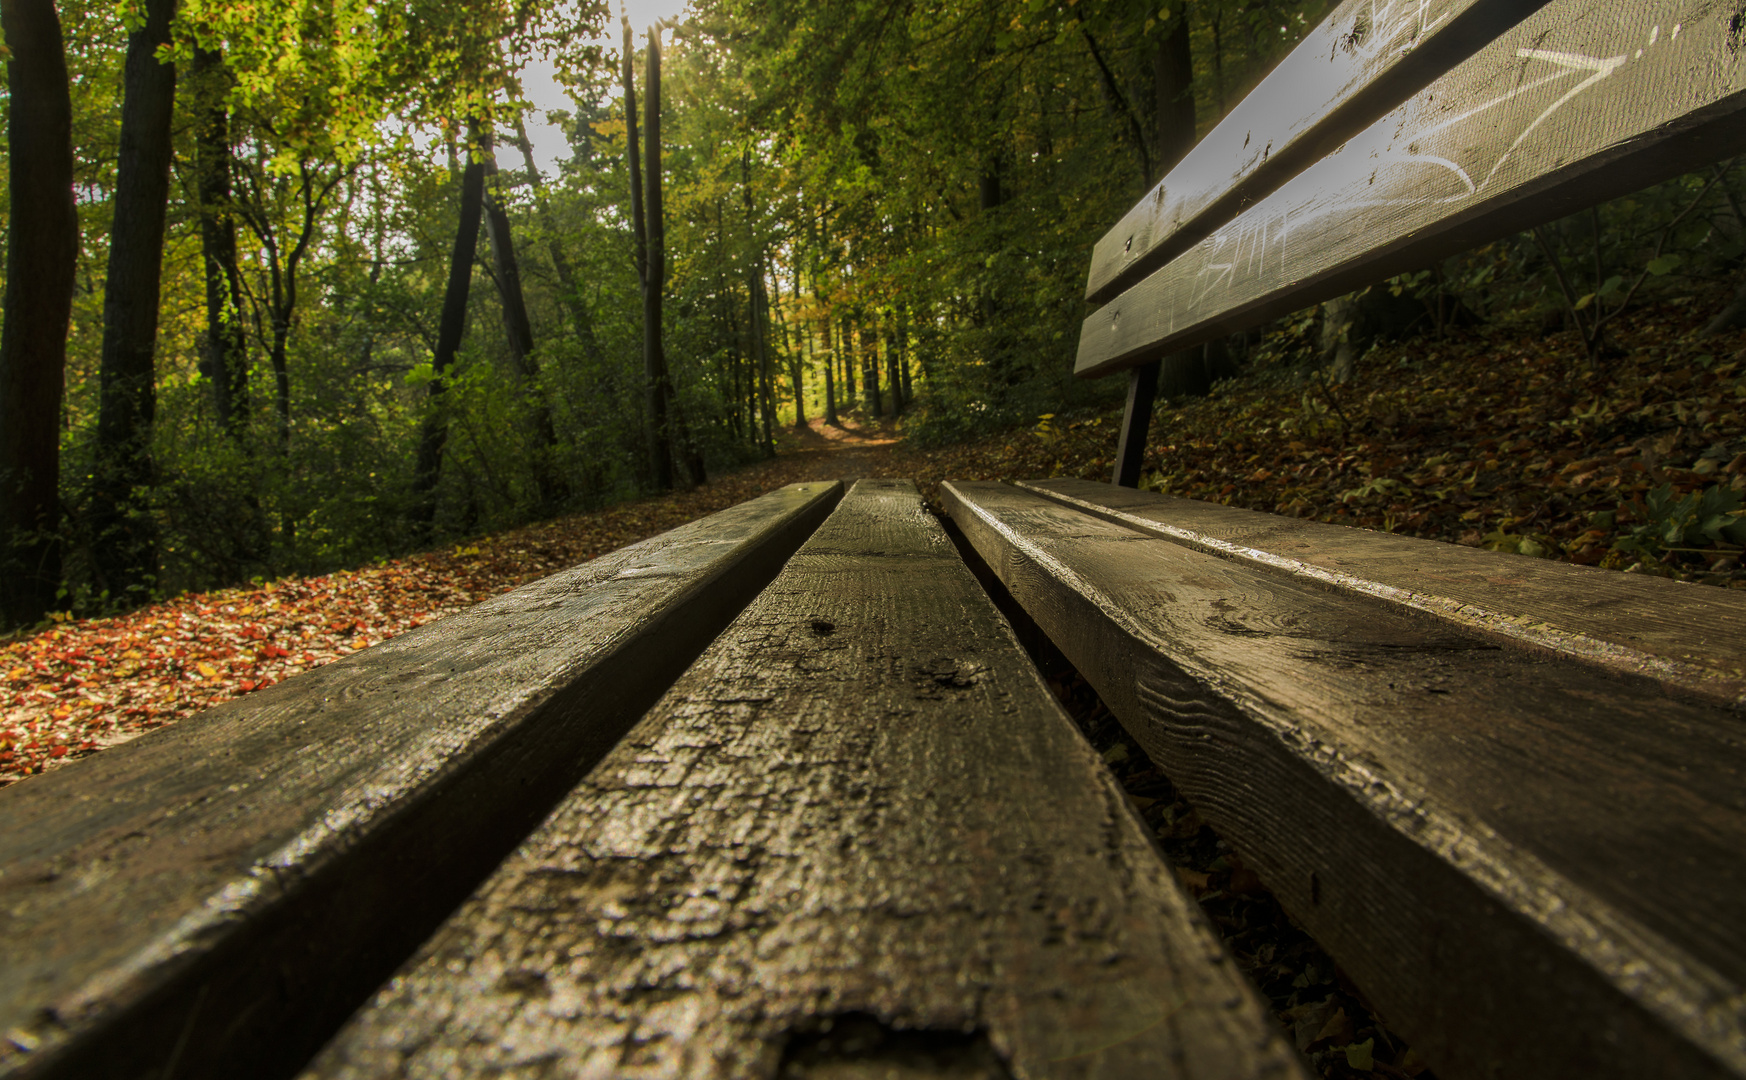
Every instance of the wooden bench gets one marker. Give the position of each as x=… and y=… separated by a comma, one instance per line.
x=1508, y=796
x=779, y=793
x=857, y=832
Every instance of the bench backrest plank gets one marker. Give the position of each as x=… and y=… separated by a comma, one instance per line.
x=221, y=894
x=862, y=800
x=1357, y=64
x=1687, y=639
x=1484, y=838
x=1582, y=101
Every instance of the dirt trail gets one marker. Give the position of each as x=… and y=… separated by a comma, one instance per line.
x=848, y=450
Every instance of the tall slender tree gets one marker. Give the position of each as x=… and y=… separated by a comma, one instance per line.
x=435, y=433
x=42, y=247
x=651, y=257
x=793, y=351
x=829, y=372
x=266, y=192
x=518, y=328
x=124, y=545
x=893, y=361
x=224, y=347
x=654, y=214
x=846, y=357
x=761, y=324
x=870, y=367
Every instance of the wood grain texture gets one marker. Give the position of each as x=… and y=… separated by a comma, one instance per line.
x=861, y=806
x=1364, y=59
x=1687, y=639
x=1533, y=869
x=1580, y=102
x=213, y=899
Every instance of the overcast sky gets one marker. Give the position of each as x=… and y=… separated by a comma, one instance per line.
x=550, y=146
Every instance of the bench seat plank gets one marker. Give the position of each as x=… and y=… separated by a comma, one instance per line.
x=1532, y=868
x=1582, y=101
x=1689, y=639
x=1357, y=64
x=860, y=802
x=214, y=898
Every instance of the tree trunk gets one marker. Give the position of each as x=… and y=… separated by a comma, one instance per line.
x=793, y=352
x=737, y=424
x=830, y=367
x=633, y=154
x=224, y=349
x=1173, y=96
x=846, y=336
x=435, y=433
x=42, y=250
x=660, y=389
x=767, y=377
x=989, y=194
x=870, y=369
x=760, y=315
x=518, y=328
x=894, y=377
x=124, y=544
x=903, y=335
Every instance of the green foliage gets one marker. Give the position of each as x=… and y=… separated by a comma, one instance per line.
x=1667, y=520
x=926, y=176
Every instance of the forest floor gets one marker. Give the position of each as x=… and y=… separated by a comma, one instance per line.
x=1498, y=438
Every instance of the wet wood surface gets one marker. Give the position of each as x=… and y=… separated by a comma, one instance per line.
x=213, y=899
x=1688, y=639
x=1582, y=101
x=1363, y=60
x=857, y=839
x=1531, y=868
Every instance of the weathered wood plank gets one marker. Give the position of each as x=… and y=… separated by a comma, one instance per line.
x=1583, y=101
x=1360, y=62
x=215, y=898
x=1532, y=868
x=860, y=802
x=1687, y=639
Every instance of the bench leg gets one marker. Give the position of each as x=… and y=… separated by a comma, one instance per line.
x=1131, y=451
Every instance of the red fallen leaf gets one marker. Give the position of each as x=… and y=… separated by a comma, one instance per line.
x=57, y=751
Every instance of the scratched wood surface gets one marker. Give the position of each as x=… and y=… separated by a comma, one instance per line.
x=1580, y=102
x=1688, y=639
x=1364, y=59
x=213, y=899
x=1531, y=868
x=861, y=810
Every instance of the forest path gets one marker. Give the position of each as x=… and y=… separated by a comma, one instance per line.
x=849, y=449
